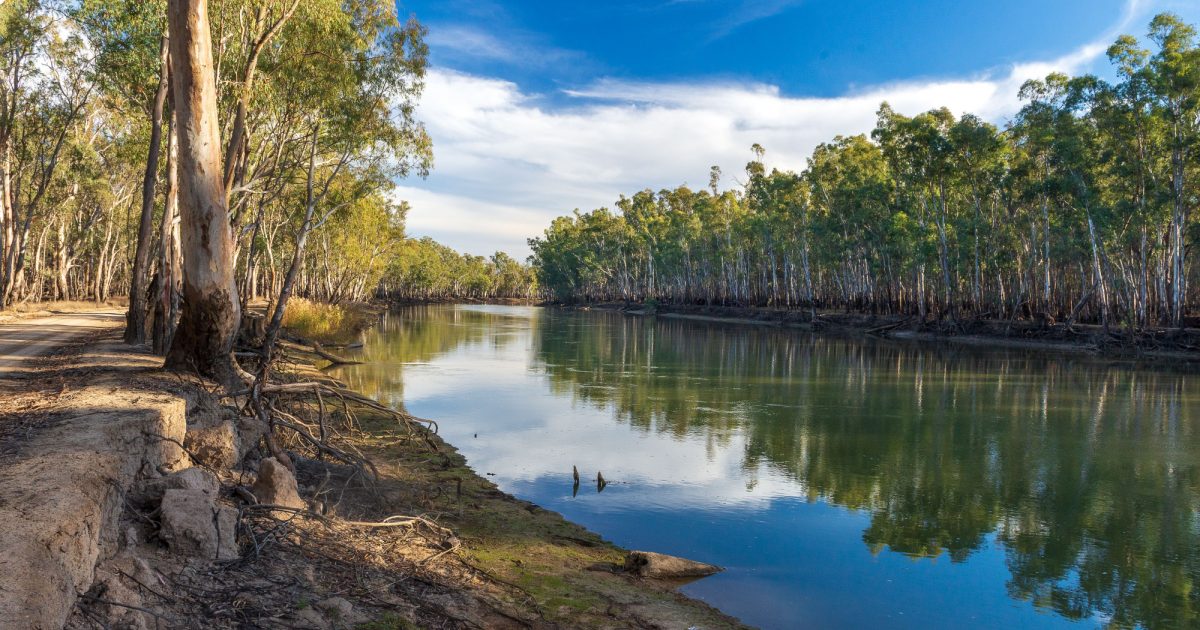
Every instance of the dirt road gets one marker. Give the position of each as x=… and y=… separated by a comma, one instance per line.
x=23, y=339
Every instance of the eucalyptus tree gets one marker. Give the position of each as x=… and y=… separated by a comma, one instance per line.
x=208, y=325
x=978, y=153
x=931, y=150
x=130, y=66
x=850, y=189
x=1175, y=86
x=1131, y=136
x=891, y=134
x=269, y=18
x=48, y=88
x=23, y=26
x=357, y=73
x=1079, y=210
x=423, y=269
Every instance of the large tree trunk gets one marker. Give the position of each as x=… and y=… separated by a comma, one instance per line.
x=135, y=319
x=211, y=313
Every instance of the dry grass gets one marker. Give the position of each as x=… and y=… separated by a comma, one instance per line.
x=325, y=323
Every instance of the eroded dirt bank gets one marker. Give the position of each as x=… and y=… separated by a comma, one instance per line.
x=134, y=498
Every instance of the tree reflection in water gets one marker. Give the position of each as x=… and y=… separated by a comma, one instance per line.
x=1083, y=470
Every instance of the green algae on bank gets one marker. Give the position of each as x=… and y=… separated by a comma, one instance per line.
x=535, y=565
x=570, y=575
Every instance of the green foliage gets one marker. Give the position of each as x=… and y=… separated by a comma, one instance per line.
x=426, y=270
x=327, y=90
x=1079, y=210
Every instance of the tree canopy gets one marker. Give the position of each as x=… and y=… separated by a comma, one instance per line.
x=316, y=105
x=1078, y=209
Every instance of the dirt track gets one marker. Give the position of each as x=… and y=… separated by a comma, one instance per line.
x=38, y=336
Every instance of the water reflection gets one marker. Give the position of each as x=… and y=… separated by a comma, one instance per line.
x=413, y=335
x=1080, y=475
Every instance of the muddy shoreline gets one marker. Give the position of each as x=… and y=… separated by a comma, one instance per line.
x=393, y=301
x=1177, y=345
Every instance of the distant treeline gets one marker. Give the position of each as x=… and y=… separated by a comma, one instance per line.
x=1079, y=209
x=425, y=270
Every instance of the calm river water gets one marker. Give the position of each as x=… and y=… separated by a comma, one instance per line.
x=842, y=483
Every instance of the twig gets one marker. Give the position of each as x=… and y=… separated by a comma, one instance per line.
x=109, y=602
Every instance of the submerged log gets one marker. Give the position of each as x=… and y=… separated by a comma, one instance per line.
x=333, y=358
x=304, y=345
x=660, y=565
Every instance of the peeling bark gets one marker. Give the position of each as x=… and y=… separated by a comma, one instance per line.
x=211, y=312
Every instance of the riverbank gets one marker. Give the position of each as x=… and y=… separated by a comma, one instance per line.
x=394, y=301
x=1175, y=344
x=420, y=540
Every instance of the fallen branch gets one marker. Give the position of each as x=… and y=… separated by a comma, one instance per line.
x=402, y=521
x=332, y=358
x=356, y=461
x=311, y=388
x=301, y=344
x=885, y=328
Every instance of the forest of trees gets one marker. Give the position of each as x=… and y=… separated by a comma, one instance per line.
x=425, y=270
x=314, y=108
x=1079, y=209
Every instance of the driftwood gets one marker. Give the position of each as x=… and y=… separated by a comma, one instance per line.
x=660, y=565
x=333, y=358
x=304, y=345
x=886, y=327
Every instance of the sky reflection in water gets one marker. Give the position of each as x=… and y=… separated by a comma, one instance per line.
x=842, y=483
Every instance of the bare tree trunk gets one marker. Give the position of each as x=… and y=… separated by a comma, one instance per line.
x=7, y=225
x=8, y=252
x=135, y=319
x=169, y=284
x=1178, y=226
x=211, y=313
x=285, y=292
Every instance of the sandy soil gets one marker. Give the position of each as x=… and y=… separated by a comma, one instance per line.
x=23, y=339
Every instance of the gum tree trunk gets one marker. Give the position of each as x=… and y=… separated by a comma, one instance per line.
x=135, y=319
x=209, y=320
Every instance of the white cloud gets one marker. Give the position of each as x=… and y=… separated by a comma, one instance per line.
x=469, y=41
x=651, y=468
x=748, y=11
x=508, y=162
x=473, y=225
x=456, y=42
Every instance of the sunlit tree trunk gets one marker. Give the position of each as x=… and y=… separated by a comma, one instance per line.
x=169, y=285
x=209, y=321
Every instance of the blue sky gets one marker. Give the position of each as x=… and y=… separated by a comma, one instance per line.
x=539, y=107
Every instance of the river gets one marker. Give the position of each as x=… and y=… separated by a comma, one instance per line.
x=841, y=482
